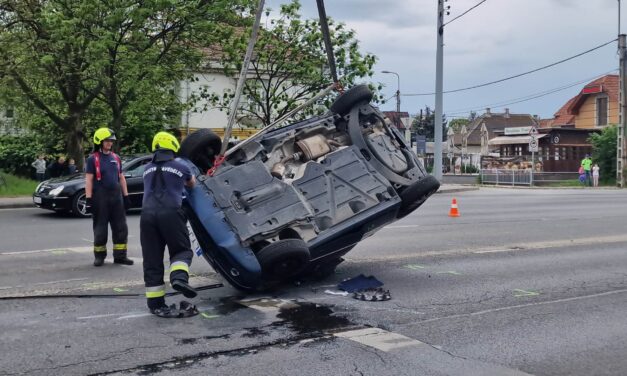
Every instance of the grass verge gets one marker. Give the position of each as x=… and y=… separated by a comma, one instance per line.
x=12, y=186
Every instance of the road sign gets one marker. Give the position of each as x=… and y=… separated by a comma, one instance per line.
x=533, y=131
x=533, y=143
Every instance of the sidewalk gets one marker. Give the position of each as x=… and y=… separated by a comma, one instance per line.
x=27, y=201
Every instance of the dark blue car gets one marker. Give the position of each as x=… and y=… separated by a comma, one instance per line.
x=291, y=202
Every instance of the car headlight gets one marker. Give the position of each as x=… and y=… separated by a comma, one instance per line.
x=55, y=192
x=39, y=186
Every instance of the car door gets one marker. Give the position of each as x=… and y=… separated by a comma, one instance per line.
x=133, y=172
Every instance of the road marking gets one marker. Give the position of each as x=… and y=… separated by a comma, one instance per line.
x=520, y=293
x=565, y=300
x=267, y=304
x=117, y=289
x=208, y=316
x=97, y=316
x=53, y=250
x=453, y=272
x=379, y=339
x=414, y=266
x=60, y=281
x=401, y=226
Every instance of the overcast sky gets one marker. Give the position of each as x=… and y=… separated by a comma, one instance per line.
x=499, y=38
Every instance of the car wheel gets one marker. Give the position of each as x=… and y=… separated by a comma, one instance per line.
x=79, y=205
x=347, y=100
x=416, y=194
x=283, y=259
x=201, y=147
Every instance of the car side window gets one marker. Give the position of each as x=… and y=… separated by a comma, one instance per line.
x=137, y=170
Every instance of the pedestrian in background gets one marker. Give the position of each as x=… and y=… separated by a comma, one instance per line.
x=107, y=195
x=586, y=163
x=71, y=167
x=162, y=224
x=57, y=168
x=40, y=167
x=595, y=175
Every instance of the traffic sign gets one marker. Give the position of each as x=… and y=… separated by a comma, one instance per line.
x=533, y=143
x=533, y=131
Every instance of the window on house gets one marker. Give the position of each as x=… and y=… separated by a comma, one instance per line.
x=601, y=111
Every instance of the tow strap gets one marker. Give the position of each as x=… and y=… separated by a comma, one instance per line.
x=97, y=164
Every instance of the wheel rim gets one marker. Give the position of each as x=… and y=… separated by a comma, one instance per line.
x=81, y=204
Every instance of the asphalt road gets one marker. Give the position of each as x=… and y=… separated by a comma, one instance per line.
x=524, y=282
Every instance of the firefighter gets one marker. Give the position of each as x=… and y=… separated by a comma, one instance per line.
x=107, y=195
x=164, y=223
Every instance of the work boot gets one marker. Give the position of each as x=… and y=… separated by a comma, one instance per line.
x=183, y=287
x=123, y=260
x=98, y=261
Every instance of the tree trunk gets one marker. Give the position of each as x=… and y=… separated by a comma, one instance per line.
x=74, y=139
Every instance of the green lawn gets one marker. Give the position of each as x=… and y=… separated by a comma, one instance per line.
x=12, y=186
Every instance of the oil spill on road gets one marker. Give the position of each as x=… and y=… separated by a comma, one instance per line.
x=306, y=318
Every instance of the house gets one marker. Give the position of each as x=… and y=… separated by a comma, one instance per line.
x=401, y=120
x=489, y=125
x=596, y=106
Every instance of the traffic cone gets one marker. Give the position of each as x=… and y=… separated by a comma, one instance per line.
x=454, y=212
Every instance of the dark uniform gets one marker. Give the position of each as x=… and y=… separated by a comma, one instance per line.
x=107, y=206
x=164, y=223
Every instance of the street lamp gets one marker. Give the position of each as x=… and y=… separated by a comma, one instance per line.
x=398, y=91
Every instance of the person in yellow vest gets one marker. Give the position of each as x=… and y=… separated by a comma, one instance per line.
x=586, y=163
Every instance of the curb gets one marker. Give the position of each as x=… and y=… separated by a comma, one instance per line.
x=17, y=202
x=456, y=190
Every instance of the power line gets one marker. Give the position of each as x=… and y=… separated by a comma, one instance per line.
x=529, y=96
x=461, y=15
x=517, y=75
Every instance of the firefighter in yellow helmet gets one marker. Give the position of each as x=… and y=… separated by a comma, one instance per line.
x=107, y=196
x=162, y=224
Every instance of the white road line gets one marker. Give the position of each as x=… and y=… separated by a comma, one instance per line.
x=61, y=281
x=576, y=298
x=71, y=249
x=97, y=316
x=401, y=226
x=379, y=339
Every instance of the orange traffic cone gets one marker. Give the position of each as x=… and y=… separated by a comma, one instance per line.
x=454, y=212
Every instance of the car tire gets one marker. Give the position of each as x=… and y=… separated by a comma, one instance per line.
x=201, y=147
x=416, y=194
x=79, y=205
x=283, y=259
x=347, y=100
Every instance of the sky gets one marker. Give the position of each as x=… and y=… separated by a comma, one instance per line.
x=497, y=39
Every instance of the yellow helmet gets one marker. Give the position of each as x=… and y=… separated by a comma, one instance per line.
x=164, y=140
x=102, y=134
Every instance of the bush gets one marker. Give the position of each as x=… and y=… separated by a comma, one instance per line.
x=469, y=169
x=604, y=153
x=18, y=152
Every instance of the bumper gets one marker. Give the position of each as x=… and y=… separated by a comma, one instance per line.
x=53, y=203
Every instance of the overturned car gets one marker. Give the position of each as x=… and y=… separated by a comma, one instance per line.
x=293, y=201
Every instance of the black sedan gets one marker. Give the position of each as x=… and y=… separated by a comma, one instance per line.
x=66, y=194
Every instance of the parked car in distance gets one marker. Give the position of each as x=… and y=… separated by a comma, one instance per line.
x=66, y=194
x=291, y=202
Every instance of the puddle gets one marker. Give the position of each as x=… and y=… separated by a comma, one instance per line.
x=307, y=318
x=228, y=305
x=254, y=332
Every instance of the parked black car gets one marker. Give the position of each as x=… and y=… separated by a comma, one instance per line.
x=293, y=201
x=67, y=193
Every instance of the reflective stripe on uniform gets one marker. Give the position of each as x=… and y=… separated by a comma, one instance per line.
x=155, y=291
x=119, y=247
x=179, y=265
x=100, y=248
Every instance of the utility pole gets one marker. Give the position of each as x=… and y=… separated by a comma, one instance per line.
x=398, y=93
x=439, y=62
x=621, y=145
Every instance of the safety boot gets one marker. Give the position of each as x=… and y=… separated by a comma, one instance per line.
x=98, y=261
x=183, y=287
x=123, y=260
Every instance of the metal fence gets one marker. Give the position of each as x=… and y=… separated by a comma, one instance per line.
x=524, y=177
x=506, y=177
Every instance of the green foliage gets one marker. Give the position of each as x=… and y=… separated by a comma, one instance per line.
x=424, y=124
x=290, y=65
x=469, y=169
x=18, y=152
x=12, y=186
x=457, y=124
x=604, y=153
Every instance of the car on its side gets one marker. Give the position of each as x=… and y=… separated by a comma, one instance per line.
x=66, y=194
x=292, y=201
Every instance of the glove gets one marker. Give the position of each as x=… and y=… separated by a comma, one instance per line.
x=88, y=202
x=127, y=202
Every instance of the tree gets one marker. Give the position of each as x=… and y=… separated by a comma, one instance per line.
x=63, y=55
x=604, y=152
x=458, y=123
x=290, y=65
x=424, y=124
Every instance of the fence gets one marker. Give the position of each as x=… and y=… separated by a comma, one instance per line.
x=506, y=177
x=523, y=177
